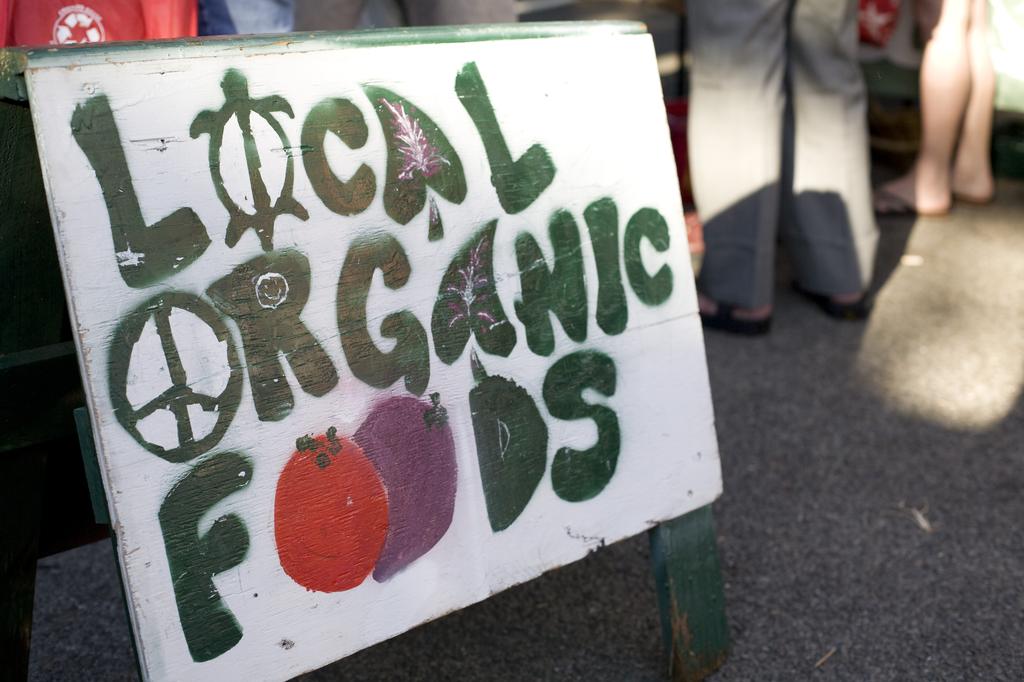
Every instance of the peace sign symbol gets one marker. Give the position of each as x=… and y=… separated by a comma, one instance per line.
x=175, y=380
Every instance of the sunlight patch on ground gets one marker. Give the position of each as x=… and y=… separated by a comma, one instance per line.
x=946, y=339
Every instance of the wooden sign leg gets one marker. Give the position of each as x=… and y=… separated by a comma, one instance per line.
x=688, y=581
x=21, y=481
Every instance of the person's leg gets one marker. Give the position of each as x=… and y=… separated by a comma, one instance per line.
x=453, y=12
x=972, y=168
x=945, y=86
x=734, y=138
x=829, y=227
x=260, y=16
x=327, y=15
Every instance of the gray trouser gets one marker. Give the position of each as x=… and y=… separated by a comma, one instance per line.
x=344, y=14
x=747, y=179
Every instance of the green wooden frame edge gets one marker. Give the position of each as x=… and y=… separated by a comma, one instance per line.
x=92, y=466
x=691, y=599
x=100, y=510
x=192, y=48
x=12, y=68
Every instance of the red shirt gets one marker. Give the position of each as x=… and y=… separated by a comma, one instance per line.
x=65, y=22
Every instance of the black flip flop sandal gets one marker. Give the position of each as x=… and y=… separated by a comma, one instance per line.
x=725, y=320
x=858, y=310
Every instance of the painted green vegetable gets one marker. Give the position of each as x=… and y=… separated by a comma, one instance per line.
x=511, y=444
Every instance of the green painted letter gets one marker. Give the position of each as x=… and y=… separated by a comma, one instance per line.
x=265, y=296
x=650, y=225
x=145, y=255
x=185, y=335
x=602, y=218
x=341, y=117
x=468, y=303
x=561, y=290
x=511, y=445
x=209, y=627
x=578, y=475
x=419, y=156
x=238, y=103
x=518, y=183
x=411, y=355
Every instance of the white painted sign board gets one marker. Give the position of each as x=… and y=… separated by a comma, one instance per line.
x=371, y=326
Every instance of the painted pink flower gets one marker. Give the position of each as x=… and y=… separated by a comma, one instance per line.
x=418, y=154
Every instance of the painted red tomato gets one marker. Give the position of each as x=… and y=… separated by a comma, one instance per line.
x=330, y=514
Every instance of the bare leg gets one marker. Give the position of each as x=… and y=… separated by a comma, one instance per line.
x=945, y=86
x=972, y=168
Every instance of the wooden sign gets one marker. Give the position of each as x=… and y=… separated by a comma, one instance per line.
x=372, y=326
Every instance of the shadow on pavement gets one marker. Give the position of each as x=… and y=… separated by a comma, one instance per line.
x=874, y=473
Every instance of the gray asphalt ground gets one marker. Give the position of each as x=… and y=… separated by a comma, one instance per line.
x=873, y=507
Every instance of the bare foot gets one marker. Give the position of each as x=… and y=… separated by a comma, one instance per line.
x=973, y=184
x=912, y=193
x=709, y=306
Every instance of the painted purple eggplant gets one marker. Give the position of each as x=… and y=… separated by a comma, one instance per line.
x=410, y=442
